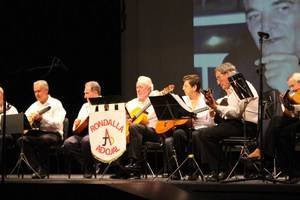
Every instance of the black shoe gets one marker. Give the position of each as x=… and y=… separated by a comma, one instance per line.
x=40, y=174
x=89, y=170
x=222, y=176
x=214, y=177
x=120, y=175
x=133, y=166
x=175, y=177
x=193, y=177
x=87, y=175
x=135, y=175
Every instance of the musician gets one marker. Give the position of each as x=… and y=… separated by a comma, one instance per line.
x=140, y=132
x=194, y=100
x=48, y=128
x=279, y=139
x=10, y=109
x=233, y=114
x=78, y=145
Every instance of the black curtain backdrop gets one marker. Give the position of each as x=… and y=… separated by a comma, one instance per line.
x=64, y=42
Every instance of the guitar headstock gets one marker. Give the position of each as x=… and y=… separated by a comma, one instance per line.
x=170, y=88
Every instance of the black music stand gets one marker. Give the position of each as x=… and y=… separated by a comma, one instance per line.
x=167, y=107
x=242, y=90
x=20, y=123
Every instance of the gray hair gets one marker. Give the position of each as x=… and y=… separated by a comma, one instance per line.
x=94, y=86
x=226, y=68
x=42, y=83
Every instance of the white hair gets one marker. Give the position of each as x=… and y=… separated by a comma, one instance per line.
x=295, y=77
x=42, y=83
x=145, y=80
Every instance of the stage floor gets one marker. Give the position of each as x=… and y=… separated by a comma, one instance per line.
x=78, y=187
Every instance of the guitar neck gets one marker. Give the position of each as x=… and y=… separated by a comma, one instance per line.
x=42, y=111
x=141, y=111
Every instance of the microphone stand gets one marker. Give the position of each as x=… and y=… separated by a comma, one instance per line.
x=260, y=104
x=261, y=110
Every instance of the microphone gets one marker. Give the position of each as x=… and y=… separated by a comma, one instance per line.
x=263, y=35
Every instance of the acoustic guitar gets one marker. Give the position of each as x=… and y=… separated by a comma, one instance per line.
x=139, y=115
x=163, y=126
x=82, y=126
x=35, y=124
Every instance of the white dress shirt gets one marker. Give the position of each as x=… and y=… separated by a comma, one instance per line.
x=203, y=119
x=52, y=119
x=246, y=109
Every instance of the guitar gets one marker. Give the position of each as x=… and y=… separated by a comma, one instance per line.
x=162, y=126
x=30, y=118
x=82, y=126
x=139, y=115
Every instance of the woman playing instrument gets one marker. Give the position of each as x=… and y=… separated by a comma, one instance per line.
x=194, y=100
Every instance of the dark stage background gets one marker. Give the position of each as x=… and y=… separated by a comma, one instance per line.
x=64, y=42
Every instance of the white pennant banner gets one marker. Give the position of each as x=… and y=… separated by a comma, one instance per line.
x=107, y=132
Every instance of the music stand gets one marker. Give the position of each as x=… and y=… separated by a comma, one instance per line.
x=21, y=124
x=171, y=107
x=243, y=91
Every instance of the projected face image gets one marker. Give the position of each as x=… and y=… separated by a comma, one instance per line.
x=281, y=20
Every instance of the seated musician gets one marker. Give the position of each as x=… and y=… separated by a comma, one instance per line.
x=48, y=128
x=233, y=114
x=78, y=145
x=279, y=138
x=141, y=132
x=194, y=100
x=10, y=109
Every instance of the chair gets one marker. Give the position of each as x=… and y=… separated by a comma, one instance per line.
x=271, y=106
x=151, y=147
x=57, y=150
x=237, y=144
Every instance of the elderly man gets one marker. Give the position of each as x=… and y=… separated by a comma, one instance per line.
x=235, y=115
x=48, y=128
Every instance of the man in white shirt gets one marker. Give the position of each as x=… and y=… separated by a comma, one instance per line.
x=78, y=145
x=46, y=115
x=235, y=115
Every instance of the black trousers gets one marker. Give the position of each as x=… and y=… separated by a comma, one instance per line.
x=79, y=147
x=139, y=134
x=36, y=146
x=206, y=141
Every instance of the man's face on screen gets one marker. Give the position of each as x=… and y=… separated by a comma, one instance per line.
x=280, y=19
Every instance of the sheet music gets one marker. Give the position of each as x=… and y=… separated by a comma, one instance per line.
x=181, y=102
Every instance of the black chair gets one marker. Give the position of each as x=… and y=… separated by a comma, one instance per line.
x=151, y=147
x=236, y=144
x=271, y=105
